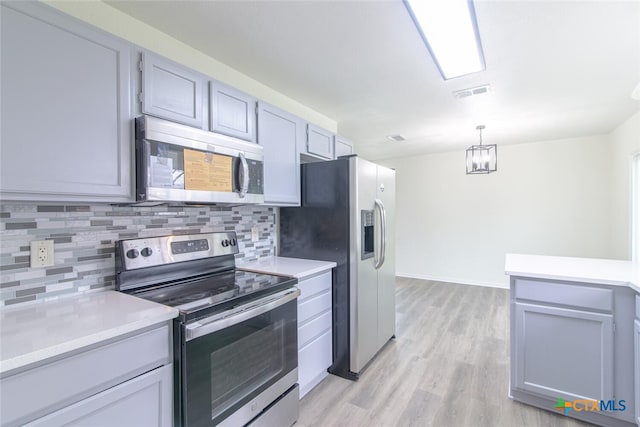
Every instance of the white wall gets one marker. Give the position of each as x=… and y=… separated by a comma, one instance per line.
x=103, y=16
x=550, y=198
x=625, y=141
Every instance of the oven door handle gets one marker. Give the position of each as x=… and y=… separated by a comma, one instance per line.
x=239, y=314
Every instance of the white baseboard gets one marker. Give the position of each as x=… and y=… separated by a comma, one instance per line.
x=454, y=280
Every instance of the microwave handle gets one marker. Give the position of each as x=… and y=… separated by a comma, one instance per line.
x=244, y=176
x=240, y=314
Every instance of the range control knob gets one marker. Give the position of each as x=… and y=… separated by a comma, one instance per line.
x=225, y=243
x=146, y=252
x=233, y=242
x=132, y=253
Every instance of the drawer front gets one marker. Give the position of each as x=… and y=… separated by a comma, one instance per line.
x=42, y=390
x=313, y=329
x=313, y=361
x=565, y=294
x=314, y=285
x=313, y=306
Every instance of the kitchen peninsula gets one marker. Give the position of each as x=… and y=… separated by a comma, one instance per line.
x=574, y=336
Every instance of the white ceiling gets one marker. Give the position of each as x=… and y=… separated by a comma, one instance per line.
x=557, y=69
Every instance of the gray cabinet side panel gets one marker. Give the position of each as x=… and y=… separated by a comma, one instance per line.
x=66, y=108
x=564, y=353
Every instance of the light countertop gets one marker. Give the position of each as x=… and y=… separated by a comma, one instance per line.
x=47, y=329
x=290, y=267
x=586, y=270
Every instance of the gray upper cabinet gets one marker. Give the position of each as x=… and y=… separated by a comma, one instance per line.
x=342, y=146
x=232, y=112
x=65, y=108
x=171, y=91
x=319, y=143
x=279, y=133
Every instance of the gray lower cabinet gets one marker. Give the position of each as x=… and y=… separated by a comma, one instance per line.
x=142, y=401
x=636, y=360
x=171, y=91
x=66, y=108
x=561, y=352
x=319, y=143
x=315, y=339
x=279, y=133
x=125, y=382
x=574, y=341
x=342, y=146
x=232, y=112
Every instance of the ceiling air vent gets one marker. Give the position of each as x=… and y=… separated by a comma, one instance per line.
x=472, y=91
x=396, y=138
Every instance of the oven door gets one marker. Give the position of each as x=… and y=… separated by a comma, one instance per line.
x=237, y=363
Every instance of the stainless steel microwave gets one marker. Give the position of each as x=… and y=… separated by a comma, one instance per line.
x=180, y=164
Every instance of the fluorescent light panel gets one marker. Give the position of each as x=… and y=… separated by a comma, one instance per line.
x=450, y=31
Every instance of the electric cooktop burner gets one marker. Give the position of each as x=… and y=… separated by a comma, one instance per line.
x=194, y=273
x=193, y=294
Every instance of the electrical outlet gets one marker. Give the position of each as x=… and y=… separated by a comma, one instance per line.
x=255, y=234
x=41, y=253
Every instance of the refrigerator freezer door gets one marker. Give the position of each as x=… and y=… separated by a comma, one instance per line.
x=385, y=192
x=363, y=334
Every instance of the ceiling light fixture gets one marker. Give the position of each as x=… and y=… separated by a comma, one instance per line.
x=482, y=158
x=450, y=31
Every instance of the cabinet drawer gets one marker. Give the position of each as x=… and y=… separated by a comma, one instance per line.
x=39, y=391
x=145, y=400
x=313, y=306
x=314, y=328
x=565, y=294
x=314, y=285
x=313, y=361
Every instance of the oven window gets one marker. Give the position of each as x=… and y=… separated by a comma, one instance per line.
x=227, y=369
x=246, y=364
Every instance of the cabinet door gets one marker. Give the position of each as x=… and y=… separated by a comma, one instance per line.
x=146, y=400
x=342, y=146
x=66, y=108
x=319, y=142
x=636, y=363
x=232, y=112
x=278, y=133
x=171, y=91
x=313, y=361
x=561, y=352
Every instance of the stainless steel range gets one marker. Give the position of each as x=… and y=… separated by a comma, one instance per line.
x=235, y=340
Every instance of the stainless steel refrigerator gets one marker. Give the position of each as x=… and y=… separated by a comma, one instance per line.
x=347, y=216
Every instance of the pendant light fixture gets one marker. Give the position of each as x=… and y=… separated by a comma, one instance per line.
x=482, y=158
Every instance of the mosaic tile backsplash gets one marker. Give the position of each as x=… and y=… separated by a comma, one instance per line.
x=84, y=239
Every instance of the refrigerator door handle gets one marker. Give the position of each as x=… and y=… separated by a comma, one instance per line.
x=383, y=233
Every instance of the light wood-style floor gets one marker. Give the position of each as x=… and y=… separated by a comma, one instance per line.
x=448, y=366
